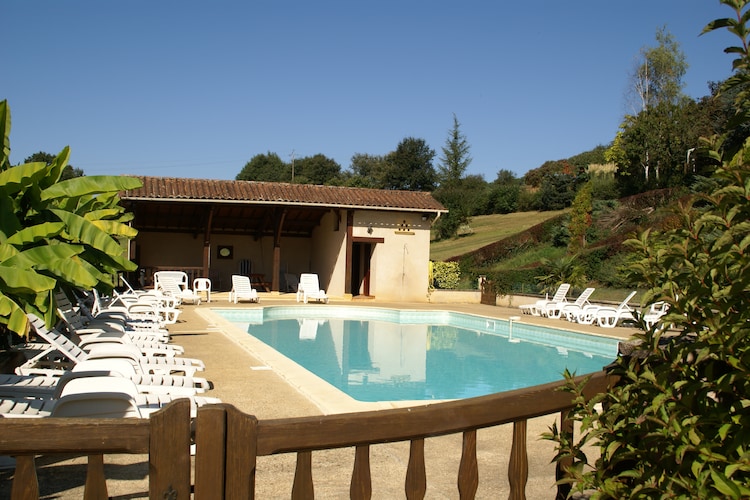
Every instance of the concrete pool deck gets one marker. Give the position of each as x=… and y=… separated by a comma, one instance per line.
x=243, y=380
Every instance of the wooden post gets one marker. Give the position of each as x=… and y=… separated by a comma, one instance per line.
x=361, y=485
x=468, y=472
x=242, y=452
x=518, y=468
x=25, y=481
x=96, y=485
x=169, y=451
x=303, y=482
x=416, y=479
x=210, y=450
x=279, y=217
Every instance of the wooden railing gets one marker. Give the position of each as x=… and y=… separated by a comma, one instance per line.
x=228, y=443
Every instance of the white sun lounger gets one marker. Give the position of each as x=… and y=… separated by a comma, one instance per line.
x=102, y=397
x=74, y=354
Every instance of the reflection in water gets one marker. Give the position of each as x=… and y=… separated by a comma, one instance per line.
x=383, y=361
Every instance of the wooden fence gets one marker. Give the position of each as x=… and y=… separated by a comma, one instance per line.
x=229, y=441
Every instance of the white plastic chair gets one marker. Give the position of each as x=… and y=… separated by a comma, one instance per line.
x=309, y=289
x=202, y=285
x=242, y=290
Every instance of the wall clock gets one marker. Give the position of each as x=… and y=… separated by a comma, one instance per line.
x=224, y=252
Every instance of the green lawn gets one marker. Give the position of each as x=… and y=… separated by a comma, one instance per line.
x=486, y=229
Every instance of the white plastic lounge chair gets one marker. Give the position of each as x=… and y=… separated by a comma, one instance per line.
x=133, y=316
x=180, y=277
x=165, y=305
x=109, y=331
x=74, y=354
x=242, y=290
x=538, y=307
x=45, y=386
x=309, y=289
x=102, y=397
x=609, y=317
x=172, y=287
x=654, y=314
x=571, y=310
x=555, y=309
x=202, y=285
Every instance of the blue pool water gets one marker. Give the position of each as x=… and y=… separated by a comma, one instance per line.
x=375, y=354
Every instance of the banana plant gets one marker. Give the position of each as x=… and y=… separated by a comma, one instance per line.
x=56, y=233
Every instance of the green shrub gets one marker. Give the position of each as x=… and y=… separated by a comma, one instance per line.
x=676, y=424
x=446, y=275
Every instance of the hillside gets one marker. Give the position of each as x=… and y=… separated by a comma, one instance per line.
x=511, y=248
x=486, y=229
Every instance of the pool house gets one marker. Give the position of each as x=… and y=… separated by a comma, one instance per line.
x=361, y=242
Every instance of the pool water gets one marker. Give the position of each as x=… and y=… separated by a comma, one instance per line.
x=375, y=354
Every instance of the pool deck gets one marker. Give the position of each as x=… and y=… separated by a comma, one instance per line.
x=244, y=379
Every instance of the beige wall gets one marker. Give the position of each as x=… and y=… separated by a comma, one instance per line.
x=399, y=265
x=328, y=255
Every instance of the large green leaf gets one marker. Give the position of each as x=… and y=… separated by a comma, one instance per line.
x=115, y=228
x=109, y=213
x=5, y=134
x=24, y=280
x=13, y=315
x=89, y=185
x=83, y=231
x=40, y=257
x=9, y=223
x=17, y=178
x=115, y=263
x=75, y=271
x=36, y=233
x=56, y=168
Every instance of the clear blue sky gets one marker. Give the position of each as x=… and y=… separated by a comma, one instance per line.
x=196, y=89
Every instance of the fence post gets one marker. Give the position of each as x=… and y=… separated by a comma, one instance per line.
x=169, y=451
x=210, y=452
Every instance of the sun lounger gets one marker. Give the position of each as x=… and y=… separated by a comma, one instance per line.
x=64, y=353
x=309, y=289
x=538, y=307
x=242, y=290
x=44, y=385
x=101, y=397
x=609, y=317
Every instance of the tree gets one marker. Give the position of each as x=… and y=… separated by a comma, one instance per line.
x=580, y=218
x=657, y=76
x=367, y=171
x=463, y=199
x=558, y=189
x=676, y=424
x=317, y=169
x=456, y=158
x=410, y=166
x=651, y=147
x=55, y=233
x=266, y=167
x=504, y=193
x=68, y=172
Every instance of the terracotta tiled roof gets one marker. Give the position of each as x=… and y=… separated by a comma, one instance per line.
x=181, y=189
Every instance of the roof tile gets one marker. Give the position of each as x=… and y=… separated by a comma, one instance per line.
x=176, y=188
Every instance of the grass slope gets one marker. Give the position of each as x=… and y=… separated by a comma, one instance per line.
x=488, y=229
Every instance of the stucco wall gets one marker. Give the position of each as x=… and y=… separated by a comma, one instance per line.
x=328, y=253
x=399, y=265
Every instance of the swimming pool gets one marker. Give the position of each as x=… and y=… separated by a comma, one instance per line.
x=374, y=354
